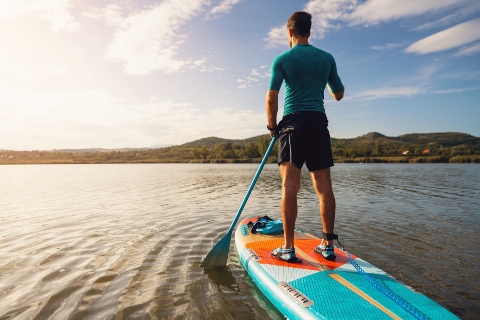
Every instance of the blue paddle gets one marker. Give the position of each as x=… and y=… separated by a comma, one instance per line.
x=218, y=255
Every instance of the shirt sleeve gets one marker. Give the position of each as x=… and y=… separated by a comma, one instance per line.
x=277, y=76
x=334, y=81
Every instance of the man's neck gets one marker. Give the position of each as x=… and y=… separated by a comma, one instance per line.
x=299, y=40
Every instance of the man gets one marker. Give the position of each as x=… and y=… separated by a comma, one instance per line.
x=303, y=133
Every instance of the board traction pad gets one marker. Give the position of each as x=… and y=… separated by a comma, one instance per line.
x=335, y=288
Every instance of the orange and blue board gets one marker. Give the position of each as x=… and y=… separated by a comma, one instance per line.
x=321, y=289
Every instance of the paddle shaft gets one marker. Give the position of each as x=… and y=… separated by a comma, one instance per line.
x=255, y=178
x=218, y=255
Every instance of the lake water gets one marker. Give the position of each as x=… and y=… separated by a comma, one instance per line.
x=125, y=241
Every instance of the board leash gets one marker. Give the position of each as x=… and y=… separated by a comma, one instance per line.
x=383, y=289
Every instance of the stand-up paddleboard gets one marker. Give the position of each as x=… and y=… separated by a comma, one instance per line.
x=321, y=289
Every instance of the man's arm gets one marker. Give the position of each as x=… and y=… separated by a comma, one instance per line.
x=337, y=96
x=271, y=103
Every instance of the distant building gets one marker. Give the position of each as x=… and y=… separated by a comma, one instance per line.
x=406, y=152
x=427, y=151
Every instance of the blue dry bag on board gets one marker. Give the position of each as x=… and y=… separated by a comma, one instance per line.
x=266, y=225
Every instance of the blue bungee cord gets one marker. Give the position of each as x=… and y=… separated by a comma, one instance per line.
x=383, y=289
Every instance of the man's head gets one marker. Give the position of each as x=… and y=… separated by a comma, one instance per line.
x=300, y=23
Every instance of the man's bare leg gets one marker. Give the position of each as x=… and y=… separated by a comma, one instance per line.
x=290, y=187
x=323, y=188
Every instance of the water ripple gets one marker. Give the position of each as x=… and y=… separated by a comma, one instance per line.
x=125, y=241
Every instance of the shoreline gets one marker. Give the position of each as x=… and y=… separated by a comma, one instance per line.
x=360, y=160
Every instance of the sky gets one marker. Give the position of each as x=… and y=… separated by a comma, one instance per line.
x=139, y=73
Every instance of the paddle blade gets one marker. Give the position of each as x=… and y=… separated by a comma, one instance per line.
x=218, y=255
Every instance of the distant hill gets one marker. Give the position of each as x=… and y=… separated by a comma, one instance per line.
x=368, y=138
x=445, y=139
x=98, y=150
x=439, y=138
x=443, y=145
x=208, y=142
x=440, y=147
x=212, y=141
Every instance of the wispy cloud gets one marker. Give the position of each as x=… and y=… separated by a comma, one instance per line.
x=224, y=7
x=468, y=50
x=148, y=40
x=277, y=37
x=387, y=46
x=98, y=118
x=401, y=92
x=12, y=9
x=448, y=91
x=254, y=77
x=112, y=15
x=334, y=14
x=57, y=12
x=386, y=93
x=373, y=12
x=450, y=38
x=56, y=69
x=326, y=15
x=459, y=14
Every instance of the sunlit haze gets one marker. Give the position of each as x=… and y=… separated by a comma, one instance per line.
x=129, y=74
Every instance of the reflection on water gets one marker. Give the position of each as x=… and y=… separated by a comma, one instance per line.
x=125, y=241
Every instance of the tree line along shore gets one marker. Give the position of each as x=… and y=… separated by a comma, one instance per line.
x=449, y=147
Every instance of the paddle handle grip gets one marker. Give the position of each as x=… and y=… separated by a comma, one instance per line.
x=257, y=174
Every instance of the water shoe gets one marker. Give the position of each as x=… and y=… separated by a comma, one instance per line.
x=327, y=252
x=287, y=255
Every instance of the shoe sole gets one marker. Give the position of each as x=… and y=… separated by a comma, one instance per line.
x=289, y=260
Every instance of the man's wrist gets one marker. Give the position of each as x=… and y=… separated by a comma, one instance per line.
x=271, y=128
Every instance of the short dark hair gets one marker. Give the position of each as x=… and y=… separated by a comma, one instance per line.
x=300, y=22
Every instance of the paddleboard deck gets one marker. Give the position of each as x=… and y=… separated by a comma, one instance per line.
x=321, y=289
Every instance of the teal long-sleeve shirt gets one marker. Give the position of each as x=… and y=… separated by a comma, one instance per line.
x=306, y=71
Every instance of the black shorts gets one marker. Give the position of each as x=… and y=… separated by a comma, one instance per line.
x=304, y=138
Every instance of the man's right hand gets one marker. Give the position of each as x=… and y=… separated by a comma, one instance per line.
x=271, y=104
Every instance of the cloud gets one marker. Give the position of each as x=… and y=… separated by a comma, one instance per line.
x=401, y=92
x=254, y=77
x=461, y=14
x=448, y=91
x=112, y=15
x=224, y=7
x=387, y=46
x=12, y=9
x=386, y=93
x=98, y=118
x=468, y=50
x=450, y=38
x=373, y=12
x=57, y=12
x=326, y=15
x=56, y=69
x=277, y=37
x=149, y=40
x=334, y=14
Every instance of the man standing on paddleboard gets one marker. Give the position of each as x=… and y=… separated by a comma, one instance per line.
x=303, y=133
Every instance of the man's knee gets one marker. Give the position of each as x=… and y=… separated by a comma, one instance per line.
x=290, y=187
x=321, y=181
x=290, y=178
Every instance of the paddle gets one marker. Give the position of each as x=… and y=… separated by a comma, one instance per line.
x=217, y=257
